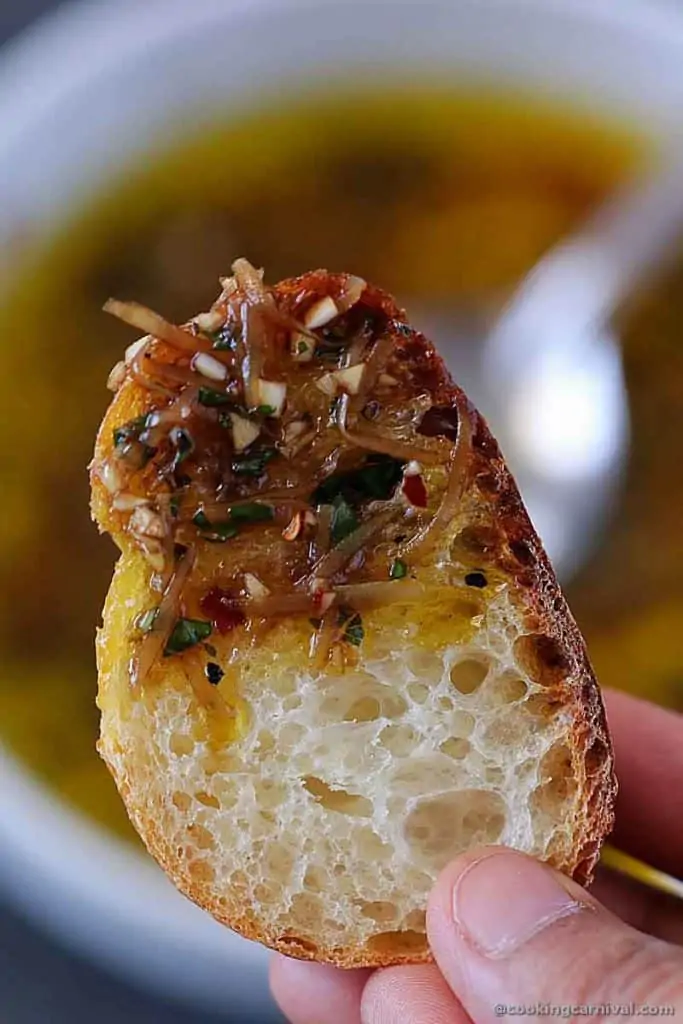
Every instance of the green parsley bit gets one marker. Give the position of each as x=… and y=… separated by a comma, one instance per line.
x=220, y=532
x=174, y=506
x=186, y=633
x=129, y=431
x=264, y=410
x=302, y=347
x=183, y=443
x=212, y=398
x=201, y=520
x=375, y=480
x=354, y=633
x=254, y=463
x=225, y=339
x=135, y=453
x=240, y=515
x=216, y=533
x=252, y=512
x=344, y=520
x=398, y=569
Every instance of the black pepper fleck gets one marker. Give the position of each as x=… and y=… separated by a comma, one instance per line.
x=475, y=579
x=214, y=673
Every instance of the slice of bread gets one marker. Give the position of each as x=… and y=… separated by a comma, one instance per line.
x=307, y=801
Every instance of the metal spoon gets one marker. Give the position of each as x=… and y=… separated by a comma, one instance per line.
x=549, y=374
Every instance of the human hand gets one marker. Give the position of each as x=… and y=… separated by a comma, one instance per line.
x=507, y=931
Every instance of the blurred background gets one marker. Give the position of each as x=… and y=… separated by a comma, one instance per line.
x=436, y=149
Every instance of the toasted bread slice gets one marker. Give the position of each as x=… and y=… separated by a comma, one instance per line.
x=334, y=653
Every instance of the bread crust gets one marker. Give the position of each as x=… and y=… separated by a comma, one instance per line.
x=553, y=651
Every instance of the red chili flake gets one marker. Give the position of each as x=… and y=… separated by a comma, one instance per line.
x=222, y=608
x=415, y=491
x=322, y=596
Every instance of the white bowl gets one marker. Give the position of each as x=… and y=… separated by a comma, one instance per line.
x=98, y=83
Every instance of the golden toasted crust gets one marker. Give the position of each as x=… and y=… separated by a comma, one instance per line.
x=552, y=652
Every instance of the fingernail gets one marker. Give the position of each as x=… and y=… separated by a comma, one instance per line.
x=504, y=899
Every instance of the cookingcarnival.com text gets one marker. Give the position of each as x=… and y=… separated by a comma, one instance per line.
x=567, y=1010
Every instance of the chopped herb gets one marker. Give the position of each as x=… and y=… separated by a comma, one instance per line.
x=183, y=443
x=174, y=505
x=375, y=480
x=344, y=520
x=129, y=431
x=225, y=339
x=241, y=410
x=214, y=532
x=254, y=463
x=302, y=347
x=265, y=410
x=212, y=398
x=252, y=512
x=214, y=673
x=186, y=633
x=398, y=569
x=222, y=531
x=128, y=445
x=145, y=621
x=354, y=633
x=475, y=579
x=135, y=453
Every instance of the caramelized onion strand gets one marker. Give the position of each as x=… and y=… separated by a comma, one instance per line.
x=149, y=322
x=152, y=644
x=335, y=560
x=426, y=538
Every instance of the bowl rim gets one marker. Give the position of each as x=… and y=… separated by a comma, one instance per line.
x=52, y=55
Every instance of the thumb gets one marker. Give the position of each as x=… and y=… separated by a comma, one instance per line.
x=509, y=933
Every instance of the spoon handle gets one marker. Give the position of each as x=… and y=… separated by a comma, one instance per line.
x=565, y=302
x=631, y=236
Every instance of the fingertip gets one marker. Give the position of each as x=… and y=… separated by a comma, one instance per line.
x=313, y=993
x=506, y=928
x=495, y=860
x=440, y=904
x=407, y=995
